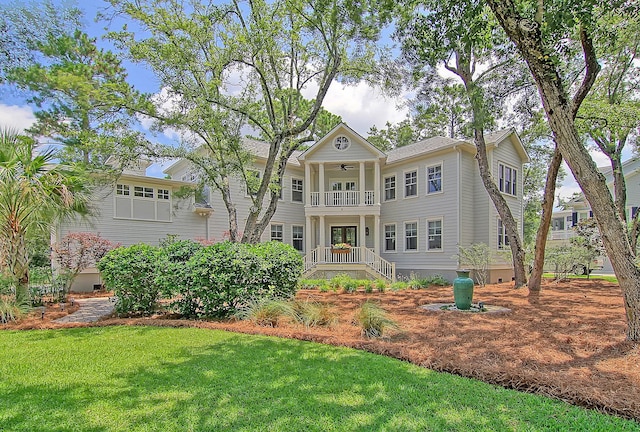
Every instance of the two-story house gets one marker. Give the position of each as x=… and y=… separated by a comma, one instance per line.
x=405, y=211
x=578, y=208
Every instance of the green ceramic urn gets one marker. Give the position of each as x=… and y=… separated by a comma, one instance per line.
x=463, y=290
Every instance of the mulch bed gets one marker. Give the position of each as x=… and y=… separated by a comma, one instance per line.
x=568, y=344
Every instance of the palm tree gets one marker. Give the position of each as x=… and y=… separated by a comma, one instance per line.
x=34, y=194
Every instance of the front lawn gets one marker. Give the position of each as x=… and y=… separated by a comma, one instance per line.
x=148, y=378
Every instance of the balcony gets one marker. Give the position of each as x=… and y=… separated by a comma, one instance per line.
x=341, y=199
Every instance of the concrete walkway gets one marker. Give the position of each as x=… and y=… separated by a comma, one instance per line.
x=91, y=310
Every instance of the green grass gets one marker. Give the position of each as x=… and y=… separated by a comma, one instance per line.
x=184, y=379
x=591, y=277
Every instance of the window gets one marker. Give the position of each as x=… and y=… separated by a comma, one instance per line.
x=410, y=183
x=296, y=190
x=341, y=143
x=297, y=235
x=434, y=178
x=145, y=203
x=434, y=229
x=390, y=238
x=276, y=233
x=557, y=224
x=411, y=236
x=143, y=192
x=507, y=179
x=634, y=212
x=122, y=189
x=503, y=239
x=390, y=188
x=163, y=194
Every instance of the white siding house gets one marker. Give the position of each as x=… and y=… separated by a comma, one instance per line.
x=402, y=212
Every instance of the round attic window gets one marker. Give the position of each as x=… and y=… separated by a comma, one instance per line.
x=341, y=143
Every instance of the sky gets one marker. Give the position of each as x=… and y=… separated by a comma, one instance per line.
x=360, y=106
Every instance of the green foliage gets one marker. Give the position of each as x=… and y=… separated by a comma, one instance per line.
x=313, y=314
x=339, y=281
x=373, y=320
x=321, y=284
x=349, y=285
x=10, y=310
x=130, y=272
x=174, y=277
x=438, y=280
x=265, y=312
x=381, y=285
x=399, y=286
x=563, y=259
x=226, y=276
x=476, y=257
x=37, y=193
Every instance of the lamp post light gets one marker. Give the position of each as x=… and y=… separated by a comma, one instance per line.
x=62, y=305
x=42, y=309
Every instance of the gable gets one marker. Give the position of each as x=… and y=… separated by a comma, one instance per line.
x=342, y=144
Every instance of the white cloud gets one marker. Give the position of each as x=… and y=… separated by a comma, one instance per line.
x=362, y=106
x=16, y=117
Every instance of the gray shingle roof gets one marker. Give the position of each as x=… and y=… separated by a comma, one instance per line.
x=261, y=149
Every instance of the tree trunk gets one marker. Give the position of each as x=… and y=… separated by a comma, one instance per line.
x=559, y=109
x=545, y=221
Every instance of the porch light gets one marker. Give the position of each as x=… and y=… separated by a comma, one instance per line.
x=366, y=231
x=42, y=309
x=62, y=305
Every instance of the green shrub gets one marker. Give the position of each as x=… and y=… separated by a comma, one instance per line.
x=366, y=284
x=338, y=281
x=265, y=312
x=439, y=280
x=226, y=276
x=373, y=320
x=313, y=314
x=349, y=285
x=381, y=285
x=130, y=272
x=399, y=286
x=174, y=277
x=10, y=310
x=417, y=282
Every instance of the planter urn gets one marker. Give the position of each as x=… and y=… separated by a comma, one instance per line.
x=463, y=290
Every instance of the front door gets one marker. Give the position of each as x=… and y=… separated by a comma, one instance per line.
x=344, y=234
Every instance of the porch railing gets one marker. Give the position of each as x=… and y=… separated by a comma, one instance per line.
x=341, y=198
x=355, y=255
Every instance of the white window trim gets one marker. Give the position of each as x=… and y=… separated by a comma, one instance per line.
x=271, y=225
x=153, y=189
x=505, y=237
x=384, y=237
x=426, y=172
x=131, y=197
x=302, y=192
x=404, y=237
x=303, y=238
x=384, y=189
x=441, y=219
x=404, y=183
x=334, y=142
x=506, y=165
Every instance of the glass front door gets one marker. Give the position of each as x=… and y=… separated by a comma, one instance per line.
x=344, y=234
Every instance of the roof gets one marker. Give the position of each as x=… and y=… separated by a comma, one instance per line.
x=261, y=149
x=315, y=146
x=428, y=145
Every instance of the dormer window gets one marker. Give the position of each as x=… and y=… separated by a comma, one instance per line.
x=341, y=143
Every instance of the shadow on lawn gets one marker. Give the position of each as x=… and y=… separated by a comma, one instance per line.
x=238, y=382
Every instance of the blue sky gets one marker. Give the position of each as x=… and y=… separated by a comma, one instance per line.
x=360, y=106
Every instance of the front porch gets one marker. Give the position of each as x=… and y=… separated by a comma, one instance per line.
x=357, y=259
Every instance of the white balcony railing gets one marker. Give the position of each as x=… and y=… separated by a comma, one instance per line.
x=342, y=198
x=355, y=255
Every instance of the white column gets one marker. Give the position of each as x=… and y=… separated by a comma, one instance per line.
x=376, y=234
x=321, y=187
x=308, y=239
x=307, y=184
x=363, y=234
x=376, y=185
x=322, y=232
x=362, y=182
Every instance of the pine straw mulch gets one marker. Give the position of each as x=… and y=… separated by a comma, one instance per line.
x=569, y=344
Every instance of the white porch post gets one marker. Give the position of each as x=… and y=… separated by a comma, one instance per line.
x=362, y=183
x=307, y=184
x=363, y=234
x=376, y=234
x=322, y=232
x=376, y=184
x=308, y=239
x=321, y=188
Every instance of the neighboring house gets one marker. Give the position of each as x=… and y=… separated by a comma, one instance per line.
x=402, y=212
x=578, y=208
